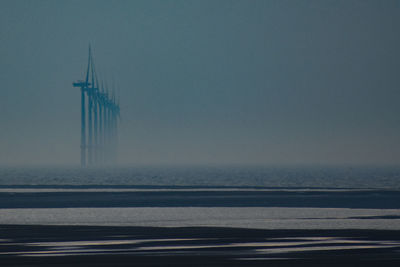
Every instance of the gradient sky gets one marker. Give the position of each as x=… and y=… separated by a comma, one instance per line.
x=247, y=82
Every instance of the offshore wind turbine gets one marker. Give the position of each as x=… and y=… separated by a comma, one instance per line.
x=98, y=144
x=83, y=85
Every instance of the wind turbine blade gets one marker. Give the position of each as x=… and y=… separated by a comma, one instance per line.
x=92, y=71
x=88, y=66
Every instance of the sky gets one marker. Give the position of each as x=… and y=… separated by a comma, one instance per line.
x=206, y=82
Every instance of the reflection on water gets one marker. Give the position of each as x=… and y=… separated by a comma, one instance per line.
x=176, y=245
x=104, y=242
x=319, y=248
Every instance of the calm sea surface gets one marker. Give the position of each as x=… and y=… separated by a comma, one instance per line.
x=293, y=177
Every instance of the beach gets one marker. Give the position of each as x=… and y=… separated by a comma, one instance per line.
x=65, y=218
x=198, y=227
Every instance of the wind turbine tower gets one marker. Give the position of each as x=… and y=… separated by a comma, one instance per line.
x=99, y=114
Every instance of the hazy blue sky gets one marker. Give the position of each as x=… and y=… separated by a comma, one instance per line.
x=251, y=82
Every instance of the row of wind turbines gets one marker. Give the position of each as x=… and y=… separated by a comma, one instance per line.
x=100, y=114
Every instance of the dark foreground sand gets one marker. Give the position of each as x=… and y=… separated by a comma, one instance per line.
x=33, y=245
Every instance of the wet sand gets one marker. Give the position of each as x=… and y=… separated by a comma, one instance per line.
x=44, y=245
x=78, y=245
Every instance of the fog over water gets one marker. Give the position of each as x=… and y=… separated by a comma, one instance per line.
x=220, y=82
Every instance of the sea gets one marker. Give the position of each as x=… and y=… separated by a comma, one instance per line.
x=279, y=197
